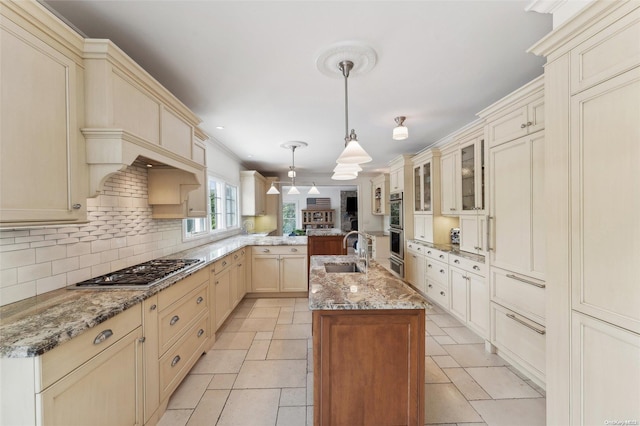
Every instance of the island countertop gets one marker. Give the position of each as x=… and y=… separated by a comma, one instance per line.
x=375, y=289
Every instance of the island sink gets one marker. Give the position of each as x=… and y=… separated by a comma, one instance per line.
x=342, y=267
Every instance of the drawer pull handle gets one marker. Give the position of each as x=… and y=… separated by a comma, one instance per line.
x=456, y=261
x=420, y=248
x=265, y=250
x=239, y=265
x=529, y=123
x=476, y=267
x=429, y=265
x=102, y=336
x=429, y=252
x=235, y=256
x=142, y=339
x=515, y=277
x=442, y=293
x=442, y=271
x=522, y=126
x=175, y=360
x=200, y=332
x=217, y=282
x=414, y=256
x=153, y=307
x=294, y=249
x=441, y=256
x=516, y=319
x=242, y=252
x=430, y=286
x=199, y=300
x=174, y=320
x=224, y=263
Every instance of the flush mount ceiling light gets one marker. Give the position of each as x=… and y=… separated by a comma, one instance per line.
x=400, y=132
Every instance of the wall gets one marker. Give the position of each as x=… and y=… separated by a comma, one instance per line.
x=325, y=192
x=120, y=233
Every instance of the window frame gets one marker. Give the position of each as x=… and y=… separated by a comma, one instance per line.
x=222, y=186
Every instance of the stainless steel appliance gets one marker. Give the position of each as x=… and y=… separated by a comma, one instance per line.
x=138, y=276
x=395, y=210
x=397, y=266
x=396, y=234
x=396, y=243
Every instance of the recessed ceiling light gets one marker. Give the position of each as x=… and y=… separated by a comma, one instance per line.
x=149, y=165
x=220, y=127
x=250, y=156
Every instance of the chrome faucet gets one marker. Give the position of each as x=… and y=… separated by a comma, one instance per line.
x=360, y=249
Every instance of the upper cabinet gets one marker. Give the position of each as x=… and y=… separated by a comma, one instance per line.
x=253, y=188
x=426, y=172
x=449, y=186
x=380, y=195
x=472, y=174
x=43, y=172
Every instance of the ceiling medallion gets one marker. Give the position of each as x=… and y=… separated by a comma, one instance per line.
x=364, y=58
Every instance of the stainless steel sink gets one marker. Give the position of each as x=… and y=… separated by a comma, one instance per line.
x=342, y=267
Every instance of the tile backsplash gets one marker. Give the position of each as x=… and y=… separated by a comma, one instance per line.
x=120, y=233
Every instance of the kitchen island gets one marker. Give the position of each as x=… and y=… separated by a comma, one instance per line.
x=368, y=345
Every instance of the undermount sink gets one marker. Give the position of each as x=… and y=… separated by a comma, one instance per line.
x=342, y=267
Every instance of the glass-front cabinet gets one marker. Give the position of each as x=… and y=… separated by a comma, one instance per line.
x=472, y=176
x=423, y=184
x=380, y=195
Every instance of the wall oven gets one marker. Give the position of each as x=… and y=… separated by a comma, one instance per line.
x=395, y=210
x=396, y=243
x=397, y=266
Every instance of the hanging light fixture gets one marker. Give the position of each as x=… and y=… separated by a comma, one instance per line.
x=347, y=168
x=353, y=152
x=400, y=132
x=314, y=190
x=273, y=190
x=292, y=169
x=344, y=176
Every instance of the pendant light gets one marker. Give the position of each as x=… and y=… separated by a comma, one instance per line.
x=344, y=176
x=273, y=190
x=353, y=152
x=400, y=132
x=314, y=190
x=292, y=169
x=347, y=168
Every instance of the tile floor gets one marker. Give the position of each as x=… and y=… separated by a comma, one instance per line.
x=259, y=372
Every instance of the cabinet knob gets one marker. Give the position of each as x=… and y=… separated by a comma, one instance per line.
x=429, y=265
x=476, y=267
x=142, y=339
x=529, y=123
x=452, y=208
x=522, y=126
x=199, y=300
x=430, y=286
x=224, y=263
x=442, y=293
x=442, y=271
x=76, y=206
x=456, y=261
x=174, y=320
x=153, y=307
x=429, y=252
x=441, y=256
x=265, y=250
x=419, y=248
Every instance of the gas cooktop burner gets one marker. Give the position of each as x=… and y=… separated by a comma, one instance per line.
x=137, y=276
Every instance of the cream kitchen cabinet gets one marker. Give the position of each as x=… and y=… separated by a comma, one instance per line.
x=449, y=181
x=43, y=169
x=59, y=387
x=279, y=269
x=473, y=233
x=426, y=181
x=469, y=294
x=238, y=286
x=380, y=195
x=471, y=170
x=396, y=179
x=253, y=191
x=592, y=90
x=423, y=227
x=415, y=266
x=176, y=194
x=221, y=290
x=524, y=117
x=437, y=273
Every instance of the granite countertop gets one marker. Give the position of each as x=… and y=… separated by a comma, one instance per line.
x=325, y=232
x=377, y=233
x=375, y=289
x=453, y=249
x=36, y=325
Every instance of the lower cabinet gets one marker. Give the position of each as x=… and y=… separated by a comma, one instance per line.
x=279, y=269
x=368, y=367
x=469, y=294
x=415, y=267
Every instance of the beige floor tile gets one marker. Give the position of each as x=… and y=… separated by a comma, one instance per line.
x=445, y=404
x=234, y=340
x=463, y=335
x=285, y=317
x=222, y=381
x=175, y=418
x=310, y=389
x=220, y=361
x=188, y=394
x=290, y=397
x=436, y=309
x=292, y=416
x=264, y=335
x=288, y=349
x=258, y=312
x=302, y=317
x=434, y=330
x=276, y=302
x=472, y=424
x=474, y=356
x=258, y=350
x=465, y=384
x=293, y=331
x=302, y=307
x=433, y=373
x=231, y=325
x=309, y=359
x=209, y=408
x=509, y=412
x=241, y=312
x=445, y=361
x=501, y=383
x=258, y=324
x=256, y=407
x=433, y=348
x=445, y=320
x=272, y=374
x=445, y=340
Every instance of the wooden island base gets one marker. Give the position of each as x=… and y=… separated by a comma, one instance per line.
x=368, y=367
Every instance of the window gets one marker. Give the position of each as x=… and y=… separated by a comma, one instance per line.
x=223, y=211
x=289, y=211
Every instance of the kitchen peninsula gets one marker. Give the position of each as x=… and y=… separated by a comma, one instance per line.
x=368, y=345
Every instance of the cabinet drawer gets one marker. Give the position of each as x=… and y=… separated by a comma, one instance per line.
x=169, y=295
x=222, y=264
x=521, y=339
x=280, y=249
x=177, y=362
x=438, y=293
x=612, y=51
x=70, y=355
x=238, y=256
x=468, y=265
x=522, y=294
x=180, y=315
x=442, y=256
x=416, y=248
x=437, y=271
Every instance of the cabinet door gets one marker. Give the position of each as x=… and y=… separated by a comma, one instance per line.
x=417, y=189
x=469, y=233
x=468, y=172
x=458, y=292
x=42, y=165
x=478, y=305
x=418, y=228
x=426, y=175
x=517, y=206
x=293, y=273
x=510, y=126
x=197, y=201
x=222, y=290
x=448, y=184
x=265, y=273
x=115, y=374
x=605, y=201
x=241, y=287
x=396, y=180
x=410, y=268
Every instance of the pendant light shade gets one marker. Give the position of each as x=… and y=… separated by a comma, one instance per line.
x=347, y=168
x=344, y=176
x=293, y=191
x=353, y=153
x=273, y=190
x=313, y=190
x=400, y=132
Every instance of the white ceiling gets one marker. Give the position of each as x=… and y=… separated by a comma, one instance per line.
x=250, y=66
